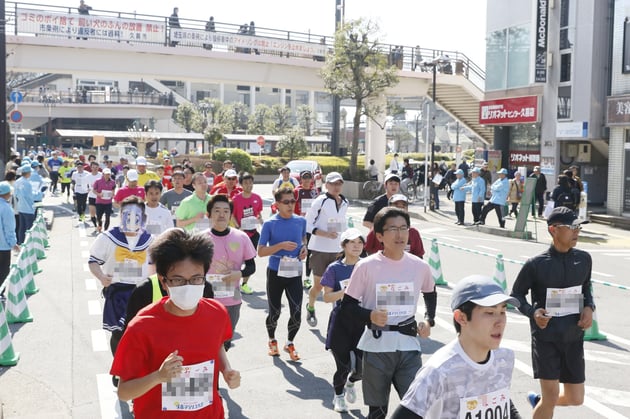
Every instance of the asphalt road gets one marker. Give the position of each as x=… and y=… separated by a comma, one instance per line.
x=65, y=358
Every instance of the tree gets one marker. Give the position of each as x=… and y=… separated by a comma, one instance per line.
x=214, y=137
x=189, y=117
x=281, y=116
x=260, y=122
x=233, y=118
x=357, y=69
x=305, y=118
x=292, y=145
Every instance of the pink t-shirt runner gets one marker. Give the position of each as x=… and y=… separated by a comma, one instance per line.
x=378, y=281
x=106, y=188
x=247, y=207
x=230, y=253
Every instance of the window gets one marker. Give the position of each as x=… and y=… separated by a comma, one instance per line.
x=496, y=65
x=508, y=58
x=564, y=102
x=565, y=67
x=625, y=68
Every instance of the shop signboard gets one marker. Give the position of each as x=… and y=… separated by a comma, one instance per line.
x=515, y=110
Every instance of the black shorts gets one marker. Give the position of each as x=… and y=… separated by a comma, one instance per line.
x=254, y=239
x=92, y=201
x=563, y=361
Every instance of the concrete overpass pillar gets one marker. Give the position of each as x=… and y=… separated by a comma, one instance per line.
x=283, y=96
x=293, y=102
x=188, y=89
x=252, y=99
x=311, y=100
x=375, y=139
x=222, y=92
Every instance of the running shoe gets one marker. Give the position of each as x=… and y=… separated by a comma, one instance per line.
x=308, y=284
x=246, y=289
x=290, y=349
x=273, y=348
x=351, y=392
x=310, y=316
x=339, y=404
x=533, y=398
x=81, y=217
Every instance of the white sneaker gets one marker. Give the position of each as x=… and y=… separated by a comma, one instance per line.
x=339, y=404
x=351, y=392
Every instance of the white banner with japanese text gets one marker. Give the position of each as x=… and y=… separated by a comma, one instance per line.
x=42, y=22
x=195, y=37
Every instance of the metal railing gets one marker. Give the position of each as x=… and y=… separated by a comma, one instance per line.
x=99, y=97
x=111, y=26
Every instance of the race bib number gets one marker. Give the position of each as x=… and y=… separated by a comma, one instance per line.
x=334, y=225
x=154, y=229
x=55, y=169
x=290, y=267
x=210, y=180
x=564, y=301
x=127, y=272
x=249, y=223
x=495, y=405
x=221, y=288
x=107, y=194
x=344, y=283
x=305, y=205
x=397, y=298
x=191, y=390
x=173, y=210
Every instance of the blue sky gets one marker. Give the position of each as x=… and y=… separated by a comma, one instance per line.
x=455, y=25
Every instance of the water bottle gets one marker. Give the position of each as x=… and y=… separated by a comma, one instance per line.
x=350, y=223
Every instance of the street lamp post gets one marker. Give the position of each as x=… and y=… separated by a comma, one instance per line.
x=417, y=118
x=340, y=7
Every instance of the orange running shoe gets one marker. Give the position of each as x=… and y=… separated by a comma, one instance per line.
x=290, y=349
x=273, y=348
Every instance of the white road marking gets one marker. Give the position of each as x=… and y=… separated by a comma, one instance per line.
x=614, y=254
x=610, y=396
x=525, y=257
x=450, y=239
x=85, y=254
x=588, y=401
x=488, y=248
x=602, y=274
x=107, y=398
x=617, y=339
x=432, y=230
x=94, y=308
x=90, y=284
x=99, y=341
x=82, y=232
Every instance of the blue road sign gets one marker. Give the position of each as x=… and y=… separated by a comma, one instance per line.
x=16, y=116
x=16, y=97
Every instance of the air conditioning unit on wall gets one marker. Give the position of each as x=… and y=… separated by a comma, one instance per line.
x=584, y=153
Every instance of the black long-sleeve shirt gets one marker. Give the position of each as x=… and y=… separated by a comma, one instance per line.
x=553, y=269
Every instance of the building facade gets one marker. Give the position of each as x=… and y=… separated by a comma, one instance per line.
x=554, y=56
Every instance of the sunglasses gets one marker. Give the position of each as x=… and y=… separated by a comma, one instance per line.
x=288, y=201
x=570, y=227
x=230, y=178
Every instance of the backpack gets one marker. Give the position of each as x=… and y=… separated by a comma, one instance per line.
x=565, y=199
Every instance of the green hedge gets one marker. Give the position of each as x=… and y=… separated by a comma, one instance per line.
x=241, y=159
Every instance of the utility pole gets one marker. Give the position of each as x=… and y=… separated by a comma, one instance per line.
x=336, y=105
x=5, y=134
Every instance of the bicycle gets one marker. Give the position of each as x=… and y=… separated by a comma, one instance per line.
x=372, y=189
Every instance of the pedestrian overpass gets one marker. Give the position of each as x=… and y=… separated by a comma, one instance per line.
x=59, y=42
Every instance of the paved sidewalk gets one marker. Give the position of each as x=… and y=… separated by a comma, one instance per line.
x=595, y=233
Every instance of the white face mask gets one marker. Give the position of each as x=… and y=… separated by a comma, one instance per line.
x=187, y=296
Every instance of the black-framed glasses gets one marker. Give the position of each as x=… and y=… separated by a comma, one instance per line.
x=178, y=281
x=401, y=229
x=288, y=201
x=570, y=227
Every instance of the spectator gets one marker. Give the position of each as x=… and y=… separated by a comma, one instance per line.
x=209, y=28
x=407, y=175
x=392, y=187
x=173, y=22
x=515, y=193
x=394, y=165
x=478, y=187
x=450, y=178
x=417, y=57
x=487, y=177
x=565, y=194
x=465, y=167
x=500, y=189
x=252, y=32
x=459, y=195
x=8, y=238
x=539, y=192
x=83, y=8
x=372, y=170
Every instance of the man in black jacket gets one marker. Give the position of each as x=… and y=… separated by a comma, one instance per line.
x=561, y=309
x=539, y=192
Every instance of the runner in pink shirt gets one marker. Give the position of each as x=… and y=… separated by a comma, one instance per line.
x=247, y=216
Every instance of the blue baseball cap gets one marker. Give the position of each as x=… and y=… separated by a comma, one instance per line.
x=502, y=172
x=459, y=172
x=26, y=168
x=5, y=188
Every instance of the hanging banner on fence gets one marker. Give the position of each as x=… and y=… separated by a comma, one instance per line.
x=239, y=42
x=42, y=22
